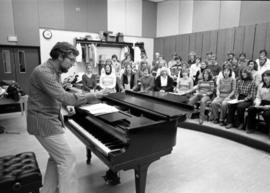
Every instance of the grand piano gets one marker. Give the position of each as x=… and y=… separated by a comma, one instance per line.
x=143, y=130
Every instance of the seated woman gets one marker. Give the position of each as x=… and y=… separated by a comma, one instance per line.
x=108, y=79
x=204, y=91
x=128, y=79
x=194, y=68
x=225, y=65
x=225, y=91
x=199, y=74
x=253, y=67
x=184, y=83
x=142, y=66
x=89, y=79
x=261, y=104
x=164, y=83
x=146, y=82
x=245, y=93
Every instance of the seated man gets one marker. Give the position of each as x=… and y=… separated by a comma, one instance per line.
x=262, y=104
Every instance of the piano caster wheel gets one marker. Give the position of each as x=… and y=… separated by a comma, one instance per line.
x=88, y=162
x=111, y=178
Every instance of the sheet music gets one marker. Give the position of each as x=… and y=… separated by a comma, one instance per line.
x=99, y=109
x=234, y=101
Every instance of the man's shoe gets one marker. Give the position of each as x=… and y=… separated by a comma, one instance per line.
x=222, y=123
x=249, y=131
x=229, y=126
x=240, y=127
x=215, y=121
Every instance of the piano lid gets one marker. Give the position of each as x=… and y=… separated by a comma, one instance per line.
x=149, y=103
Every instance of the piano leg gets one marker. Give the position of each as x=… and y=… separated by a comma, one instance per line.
x=88, y=156
x=111, y=178
x=140, y=177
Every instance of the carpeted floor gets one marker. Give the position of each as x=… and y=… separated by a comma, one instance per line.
x=199, y=163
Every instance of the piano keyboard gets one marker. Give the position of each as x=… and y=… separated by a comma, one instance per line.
x=106, y=146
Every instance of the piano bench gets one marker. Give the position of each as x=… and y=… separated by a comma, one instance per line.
x=20, y=173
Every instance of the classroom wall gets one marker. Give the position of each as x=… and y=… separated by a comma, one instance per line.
x=253, y=12
x=24, y=18
x=199, y=16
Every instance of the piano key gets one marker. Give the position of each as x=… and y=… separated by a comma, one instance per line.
x=91, y=138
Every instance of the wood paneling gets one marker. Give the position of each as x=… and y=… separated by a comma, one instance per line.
x=225, y=43
x=182, y=46
x=158, y=45
x=169, y=47
x=195, y=42
x=199, y=43
x=192, y=41
x=209, y=43
x=249, y=39
x=239, y=40
x=267, y=42
x=260, y=37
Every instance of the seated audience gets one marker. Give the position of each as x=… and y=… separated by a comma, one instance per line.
x=175, y=69
x=191, y=58
x=227, y=65
x=146, y=82
x=164, y=83
x=212, y=64
x=172, y=62
x=261, y=104
x=128, y=80
x=225, y=91
x=194, y=68
x=235, y=68
x=204, y=91
x=208, y=58
x=230, y=56
x=184, y=83
x=263, y=62
x=143, y=64
x=245, y=93
x=116, y=66
x=89, y=80
x=253, y=67
x=199, y=74
x=243, y=61
x=108, y=78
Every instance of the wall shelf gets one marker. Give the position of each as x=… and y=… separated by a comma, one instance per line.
x=105, y=43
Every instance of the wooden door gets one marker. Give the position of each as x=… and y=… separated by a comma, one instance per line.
x=26, y=59
x=7, y=67
x=17, y=63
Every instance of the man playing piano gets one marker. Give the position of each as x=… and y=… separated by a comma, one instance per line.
x=46, y=96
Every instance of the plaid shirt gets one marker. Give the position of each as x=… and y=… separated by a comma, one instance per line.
x=46, y=96
x=246, y=88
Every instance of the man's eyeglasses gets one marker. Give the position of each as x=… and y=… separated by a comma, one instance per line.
x=71, y=59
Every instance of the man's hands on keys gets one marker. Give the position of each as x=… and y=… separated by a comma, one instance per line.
x=70, y=110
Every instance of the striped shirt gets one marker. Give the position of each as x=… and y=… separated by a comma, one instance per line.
x=226, y=86
x=246, y=88
x=206, y=87
x=46, y=96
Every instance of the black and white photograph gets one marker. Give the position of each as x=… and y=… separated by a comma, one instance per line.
x=134, y=96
